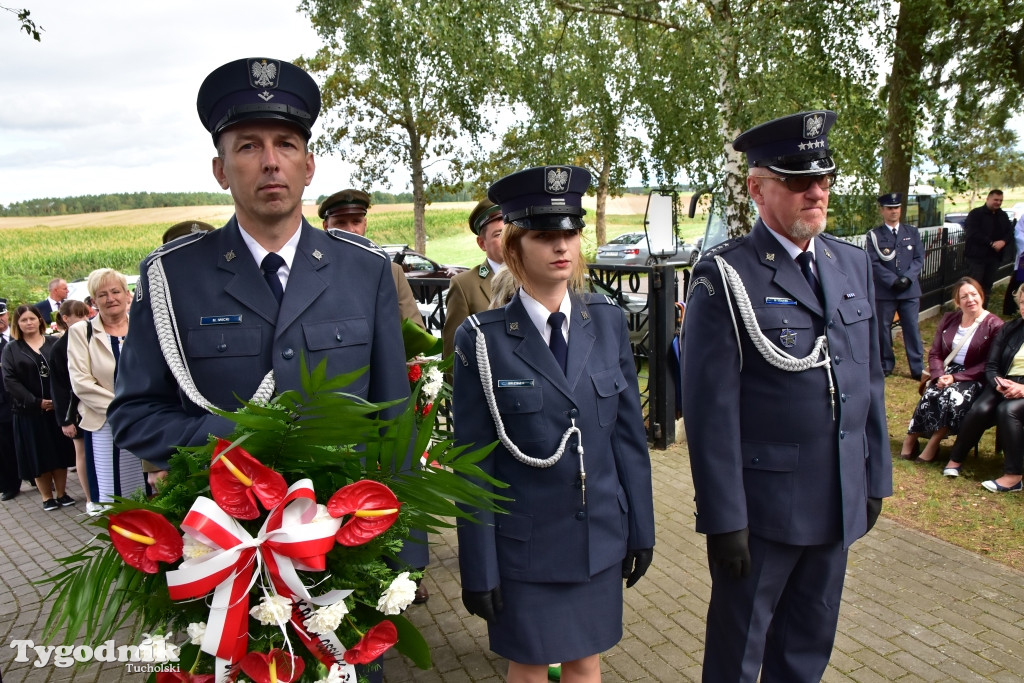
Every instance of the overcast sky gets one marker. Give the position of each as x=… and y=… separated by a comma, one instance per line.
x=107, y=101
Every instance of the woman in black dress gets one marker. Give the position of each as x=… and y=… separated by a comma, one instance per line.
x=44, y=453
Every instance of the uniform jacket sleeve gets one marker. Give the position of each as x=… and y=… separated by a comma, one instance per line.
x=456, y=310
x=406, y=301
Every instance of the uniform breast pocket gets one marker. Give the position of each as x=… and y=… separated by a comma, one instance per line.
x=856, y=315
x=223, y=341
x=521, y=409
x=788, y=327
x=334, y=334
x=608, y=384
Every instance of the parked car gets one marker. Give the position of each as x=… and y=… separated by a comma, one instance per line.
x=630, y=249
x=416, y=264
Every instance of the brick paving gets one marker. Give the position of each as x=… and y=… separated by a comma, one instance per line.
x=914, y=609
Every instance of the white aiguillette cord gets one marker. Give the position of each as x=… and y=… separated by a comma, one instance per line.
x=484, y=365
x=817, y=358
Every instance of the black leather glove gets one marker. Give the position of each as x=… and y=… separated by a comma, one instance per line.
x=731, y=552
x=874, y=509
x=484, y=604
x=635, y=565
x=902, y=284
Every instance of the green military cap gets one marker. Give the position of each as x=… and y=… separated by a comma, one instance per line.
x=484, y=212
x=185, y=228
x=346, y=201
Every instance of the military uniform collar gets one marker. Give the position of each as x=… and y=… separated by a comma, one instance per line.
x=539, y=313
x=287, y=252
x=791, y=248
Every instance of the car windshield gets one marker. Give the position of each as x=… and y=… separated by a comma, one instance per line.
x=628, y=238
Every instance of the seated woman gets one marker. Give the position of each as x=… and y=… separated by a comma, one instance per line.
x=956, y=363
x=1001, y=403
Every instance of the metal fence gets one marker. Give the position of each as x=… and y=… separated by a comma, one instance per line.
x=648, y=296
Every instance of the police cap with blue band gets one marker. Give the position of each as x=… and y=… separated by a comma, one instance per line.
x=543, y=198
x=792, y=145
x=891, y=199
x=258, y=88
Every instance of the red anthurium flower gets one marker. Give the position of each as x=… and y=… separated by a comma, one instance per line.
x=415, y=373
x=375, y=643
x=427, y=408
x=144, y=539
x=237, y=479
x=277, y=666
x=374, y=508
x=183, y=677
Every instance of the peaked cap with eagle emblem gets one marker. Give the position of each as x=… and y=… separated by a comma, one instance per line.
x=258, y=88
x=543, y=198
x=790, y=145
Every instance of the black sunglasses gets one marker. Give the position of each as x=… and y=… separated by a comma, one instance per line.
x=802, y=183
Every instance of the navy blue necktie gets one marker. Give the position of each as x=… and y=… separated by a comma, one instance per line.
x=557, y=342
x=805, y=259
x=271, y=262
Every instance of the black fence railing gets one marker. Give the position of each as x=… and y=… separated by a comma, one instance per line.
x=944, y=264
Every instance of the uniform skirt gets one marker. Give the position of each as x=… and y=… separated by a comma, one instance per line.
x=546, y=623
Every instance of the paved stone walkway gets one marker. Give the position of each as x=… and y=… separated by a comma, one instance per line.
x=914, y=608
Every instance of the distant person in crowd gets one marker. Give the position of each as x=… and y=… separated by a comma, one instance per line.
x=469, y=292
x=956, y=364
x=1001, y=403
x=987, y=231
x=94, y=352
x=185, y=228
x=1017, y=276
x=547, y=573
x=10, y=482
x=897, y=258
x=237, y=309
x=92, y=307
x=65, y=403
x=785, y=415
x=346, y=210
x=44, y=453
x=58, y=291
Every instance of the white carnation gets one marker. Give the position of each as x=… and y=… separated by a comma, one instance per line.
x=337, y=674
x=196, y=631
x=194, y=548
x=327, y=619
x=398, y=595
x=322, y=515
x=272, y=610
x=433, y=382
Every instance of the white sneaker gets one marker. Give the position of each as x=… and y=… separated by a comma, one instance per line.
x=94, y=508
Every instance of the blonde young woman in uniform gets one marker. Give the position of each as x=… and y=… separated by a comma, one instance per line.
x=547, y=573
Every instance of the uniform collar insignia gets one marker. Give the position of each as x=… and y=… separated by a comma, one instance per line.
x=769, y=256
x=828, y=253
x=484, y=270
x=317, y=254
x=585, y=315
x=512, y=327
x=230, y=256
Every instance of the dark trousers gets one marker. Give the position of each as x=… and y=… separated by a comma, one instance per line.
x=992, y=409
x=985, y=273
x=781, y=620
x=9, y=479
x=909, y=310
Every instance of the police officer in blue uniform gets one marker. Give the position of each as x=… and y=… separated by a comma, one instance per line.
x=547, y=573
x=897, y=258
x=229, y=313
x=784, y=412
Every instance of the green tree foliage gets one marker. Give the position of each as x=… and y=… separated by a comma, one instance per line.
x=28, y=25
x=958, y=74
x=718, y=67
x=403, y=85
x=60, y=206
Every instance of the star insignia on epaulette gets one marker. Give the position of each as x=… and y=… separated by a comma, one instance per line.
x=230, y=256
x=317, y=254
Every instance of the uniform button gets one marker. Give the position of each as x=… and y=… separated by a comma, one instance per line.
x=222, y=347
x=517, y=404
x=831, y=324
x=288, y=354
x=838, y=360
x=616, y=384
x=573, y=414
x=337, y=335
x=580, y=515
x=755, y=461
x=842, y=397
x=785, y=321
x=842, y=434
x=858, y=311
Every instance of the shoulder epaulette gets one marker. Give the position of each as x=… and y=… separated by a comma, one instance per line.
x=175, y=244
x=356, y=240
x=722, y=247
x=494, y=315
x=840, y=240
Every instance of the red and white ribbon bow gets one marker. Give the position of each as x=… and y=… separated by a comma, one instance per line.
x=288, y=541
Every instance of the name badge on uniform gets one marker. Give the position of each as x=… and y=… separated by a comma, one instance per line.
x=221, y=319
x=509, y=383
x=779, y=301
